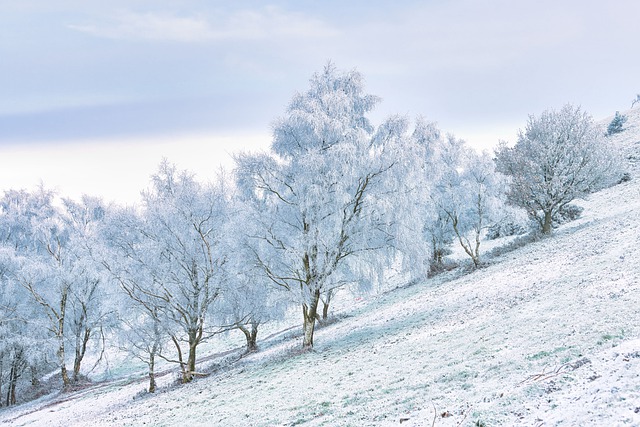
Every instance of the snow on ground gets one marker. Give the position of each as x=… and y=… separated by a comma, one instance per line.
x=546, y=335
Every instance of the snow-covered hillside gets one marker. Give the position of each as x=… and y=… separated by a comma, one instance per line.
x=548, y=334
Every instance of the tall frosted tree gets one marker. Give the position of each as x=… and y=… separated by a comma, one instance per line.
x=52, y=264
x=25, y=341
x=323, y=199
x=43, y=262
x=470, y=195
x=130, y=258
x=247, y=299
x=90, y=309
x=176, y=243
x=560, y=156
x=15, y=331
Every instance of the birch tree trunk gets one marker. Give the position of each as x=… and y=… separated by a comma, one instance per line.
x=60, y=336
x=191, y=360
x=546, y=226
x=152, y=373
x=251, y=336
x=17, y=365
x=309, y=313
x=326, y=301
x=1, y=375
x=82, y=339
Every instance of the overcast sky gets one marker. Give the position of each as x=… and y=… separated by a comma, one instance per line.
x=93, y=94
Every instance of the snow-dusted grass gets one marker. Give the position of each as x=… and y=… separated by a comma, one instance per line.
x=546, y=335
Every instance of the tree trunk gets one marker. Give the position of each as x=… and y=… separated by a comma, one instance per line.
x=13, y=379
x=438, y=257
x=475, y=256
x=326, y=301
x=309, y=313
x=476, y=261
x=152, y=372
x=35, y=382
x=83, y=333
x=14, y=374
x=61, y=362
x=194, y=339
x=155, y=349
x=546, y=227
x=81, y=349
x=325, y=310
x=183, y=366
x=191, y=363
x=60, y=333
x=251, y=336
x=1, y=375
x=254, y=335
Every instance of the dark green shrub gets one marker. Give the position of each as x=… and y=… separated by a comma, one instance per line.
x=617, y=124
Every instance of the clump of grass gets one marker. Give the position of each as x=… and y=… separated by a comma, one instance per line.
x=611, y=337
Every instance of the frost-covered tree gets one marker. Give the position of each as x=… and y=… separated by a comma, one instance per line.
x=249, y=302
x=247, y=299
x=558, y=157
x=617, y=124
x=324, y=201
x=37, y=232
x=13, y=332
x=443, y=201
x=90, y=310
x=483, y=191
x=53, y=265
x=20, y=334
x=469, y=194
x=421, y=174
x=25, y=345
x=176, y=243
x=129, y=257
x=440, y=234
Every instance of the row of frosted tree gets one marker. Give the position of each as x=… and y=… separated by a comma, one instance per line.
x=335, y=203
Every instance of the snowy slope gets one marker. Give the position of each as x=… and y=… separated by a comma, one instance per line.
x=547, y=335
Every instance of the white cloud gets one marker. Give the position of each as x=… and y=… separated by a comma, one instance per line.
x=239, y=25
x=150, y=26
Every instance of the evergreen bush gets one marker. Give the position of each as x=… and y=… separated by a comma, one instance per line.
x=616, y=125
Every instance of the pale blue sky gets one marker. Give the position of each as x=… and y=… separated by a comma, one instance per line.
x=93, y=74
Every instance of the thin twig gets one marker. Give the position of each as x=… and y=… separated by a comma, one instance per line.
x=544, y=375
x=435, y=414
x=465, y=416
